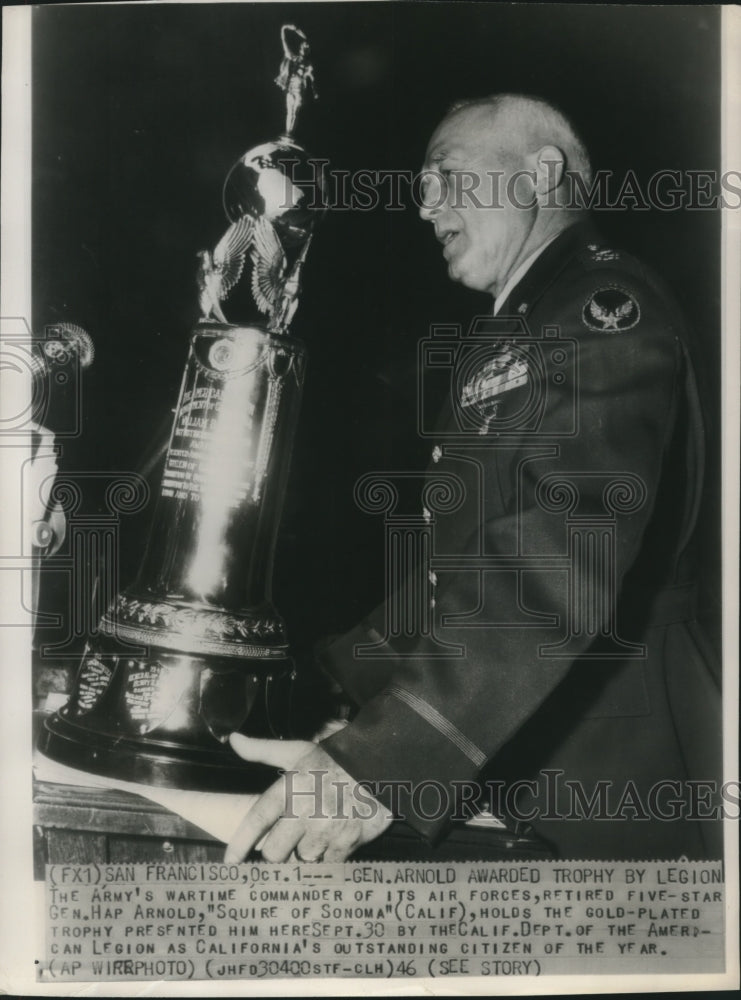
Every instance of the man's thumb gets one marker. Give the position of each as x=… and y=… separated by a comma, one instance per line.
x=275, y=753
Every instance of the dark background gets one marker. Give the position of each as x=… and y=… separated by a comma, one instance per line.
x=140, y=111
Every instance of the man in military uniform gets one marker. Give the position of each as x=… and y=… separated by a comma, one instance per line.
x=574, y=435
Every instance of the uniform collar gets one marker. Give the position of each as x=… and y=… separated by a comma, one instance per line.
x=544, y=268
x=519, y=273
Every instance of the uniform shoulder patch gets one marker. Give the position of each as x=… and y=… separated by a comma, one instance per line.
x=611, y=309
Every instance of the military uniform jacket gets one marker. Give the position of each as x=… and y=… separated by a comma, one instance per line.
x=564, y=650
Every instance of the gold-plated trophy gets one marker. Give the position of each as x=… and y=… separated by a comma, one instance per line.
x=195, y=649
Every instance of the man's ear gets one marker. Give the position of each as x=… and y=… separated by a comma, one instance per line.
x=549, y=165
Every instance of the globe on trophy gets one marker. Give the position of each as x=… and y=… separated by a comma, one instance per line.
x=195, y=649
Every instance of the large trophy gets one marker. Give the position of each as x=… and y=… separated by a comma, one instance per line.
x=195, y=649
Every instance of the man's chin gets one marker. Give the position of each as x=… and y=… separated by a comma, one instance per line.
x=465, y=278
x=458, y=273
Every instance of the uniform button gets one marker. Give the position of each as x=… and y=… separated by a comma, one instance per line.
x=437, y=453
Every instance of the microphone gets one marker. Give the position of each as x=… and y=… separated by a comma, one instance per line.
x=64, y=342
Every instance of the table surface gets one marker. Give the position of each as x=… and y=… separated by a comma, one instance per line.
x=108, y=810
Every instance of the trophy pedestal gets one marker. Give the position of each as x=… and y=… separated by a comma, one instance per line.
x=195, y=650
x=165, y=718
x=152, y=762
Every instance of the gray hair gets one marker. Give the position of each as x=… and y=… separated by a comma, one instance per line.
x=538, y=122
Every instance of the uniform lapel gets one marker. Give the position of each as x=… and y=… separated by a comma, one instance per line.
x=547, y=268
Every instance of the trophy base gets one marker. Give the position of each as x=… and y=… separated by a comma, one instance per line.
x=152, y=763
x=163, y=717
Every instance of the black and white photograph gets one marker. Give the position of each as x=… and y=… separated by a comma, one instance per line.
x=369, y=440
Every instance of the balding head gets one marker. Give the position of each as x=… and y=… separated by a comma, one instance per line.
x=494, y=185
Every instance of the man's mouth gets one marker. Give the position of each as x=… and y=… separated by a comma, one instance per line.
x=447, y=238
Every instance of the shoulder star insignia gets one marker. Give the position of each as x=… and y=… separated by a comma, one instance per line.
x=611, y=310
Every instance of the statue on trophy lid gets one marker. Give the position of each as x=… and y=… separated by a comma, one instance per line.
x=296, y=71
x=195, y=650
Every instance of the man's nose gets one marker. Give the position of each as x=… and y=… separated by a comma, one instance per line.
x=433, y=192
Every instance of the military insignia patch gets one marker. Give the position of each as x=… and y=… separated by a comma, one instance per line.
x=610, y=310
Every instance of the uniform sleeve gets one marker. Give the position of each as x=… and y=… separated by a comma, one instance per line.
x=427, y=726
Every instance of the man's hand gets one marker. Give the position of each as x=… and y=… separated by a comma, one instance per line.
x=316, y=809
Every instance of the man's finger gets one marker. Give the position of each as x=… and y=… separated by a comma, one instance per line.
x=342, y=847
x=276, y=753
x=282, y=839
x=311, y=847
x=260, y=818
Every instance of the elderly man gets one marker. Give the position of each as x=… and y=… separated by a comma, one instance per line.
x=582, y=684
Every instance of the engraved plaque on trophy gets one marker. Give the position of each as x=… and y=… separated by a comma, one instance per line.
x=195, y=650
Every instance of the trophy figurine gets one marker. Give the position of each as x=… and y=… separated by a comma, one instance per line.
x=195, y=650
